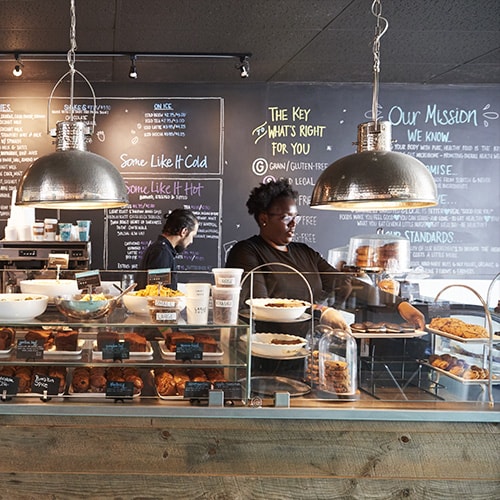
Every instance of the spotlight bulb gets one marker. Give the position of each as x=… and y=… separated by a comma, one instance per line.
x=133, y=70
x=17, y=71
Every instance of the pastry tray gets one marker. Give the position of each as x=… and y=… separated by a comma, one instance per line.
x=95, y=395
x=133, y=355
x=5, y=353
x=389, y=335
x=52, y=352
x=303, y=317
x=474, y=340
x=170, y=355
x=465, y=381
x=268, y=386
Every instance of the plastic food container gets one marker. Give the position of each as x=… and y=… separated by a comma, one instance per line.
x=166, y=310
x=229, y=277
x=380, y=251
x=337, y=363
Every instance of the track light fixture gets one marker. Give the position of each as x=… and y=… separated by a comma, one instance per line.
x=18, y=68
x=244, y=66
x=243, y=58
x=133, y=69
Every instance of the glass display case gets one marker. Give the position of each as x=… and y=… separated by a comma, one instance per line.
x=123, y=355
x=255, y=361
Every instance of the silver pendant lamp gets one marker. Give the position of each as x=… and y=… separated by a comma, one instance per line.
x=375, y=178
x=72, y=177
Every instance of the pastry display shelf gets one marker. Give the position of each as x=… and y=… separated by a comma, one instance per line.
x=230, y=359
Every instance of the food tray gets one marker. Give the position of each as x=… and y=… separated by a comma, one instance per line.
x=94, y=395
x=466, y=381
x=167, y=354
x=268, y=386
x=97, y=355
x=475, y=340
x=52, y=352
x=303, y=317
x=259, y=348
x=389, y=335
x=5, y=353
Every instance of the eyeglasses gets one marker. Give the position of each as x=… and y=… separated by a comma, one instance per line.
x=287, y=219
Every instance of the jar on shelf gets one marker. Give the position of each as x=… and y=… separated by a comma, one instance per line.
x=313, y=338
x=337, y=363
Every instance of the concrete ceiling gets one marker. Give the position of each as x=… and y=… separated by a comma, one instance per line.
x=428, y=41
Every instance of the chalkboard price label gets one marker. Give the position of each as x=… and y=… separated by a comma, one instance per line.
x=195, y=390
x=8, y=385
x=29, y=349
x=119, y=389
x=43, y=384
x=88, y=279
x=189, y=351
x=162, y=276
x=116, y=350
x=232, y=390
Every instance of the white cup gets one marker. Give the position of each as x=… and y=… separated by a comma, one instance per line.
x=197, y=310
x=24, y=233
x=197, y=289
x=10, y=233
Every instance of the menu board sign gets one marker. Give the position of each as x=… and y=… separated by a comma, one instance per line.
x=205, y=147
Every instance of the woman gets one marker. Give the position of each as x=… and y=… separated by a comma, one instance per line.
x=274, y=207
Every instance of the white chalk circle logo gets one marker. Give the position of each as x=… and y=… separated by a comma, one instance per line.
x=259, y=166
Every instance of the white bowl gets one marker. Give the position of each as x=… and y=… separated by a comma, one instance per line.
x=51, y=288
x=262, y=344
x=277, y=309
x=138, y=304
x=22, y=306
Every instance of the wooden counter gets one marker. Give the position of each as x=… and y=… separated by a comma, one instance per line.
x=66, y=457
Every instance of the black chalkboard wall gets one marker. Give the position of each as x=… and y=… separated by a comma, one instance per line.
x=206, y=146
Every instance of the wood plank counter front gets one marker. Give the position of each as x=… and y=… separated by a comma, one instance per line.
x=72, y=457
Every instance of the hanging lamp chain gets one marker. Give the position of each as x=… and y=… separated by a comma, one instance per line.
x=72, y=54
x=380, y=29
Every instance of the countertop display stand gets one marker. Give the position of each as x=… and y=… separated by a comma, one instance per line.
x=250, y=276
x=489, y=324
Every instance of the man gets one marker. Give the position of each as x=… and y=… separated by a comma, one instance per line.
x=179, y=230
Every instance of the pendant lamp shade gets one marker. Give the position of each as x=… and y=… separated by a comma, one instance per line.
x=72, y=177
x=375, y=178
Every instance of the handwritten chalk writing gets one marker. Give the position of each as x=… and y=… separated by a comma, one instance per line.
x=300, y=114
x=157, y=106
x=279, y=148
x=430, y=236
x=397, y=116
x=440, y=169
x=455, y=116
x=299, y=148
x=127, y=162
x=281, y=131
x=311, y=130
x=278, y=113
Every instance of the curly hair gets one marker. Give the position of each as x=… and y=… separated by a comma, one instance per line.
x=262, y=196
